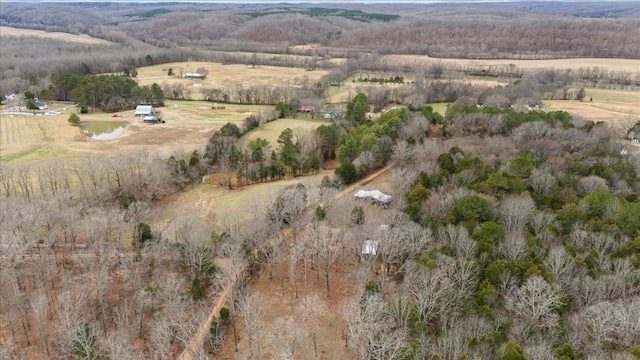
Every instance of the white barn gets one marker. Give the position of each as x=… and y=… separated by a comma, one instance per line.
x=145, y=110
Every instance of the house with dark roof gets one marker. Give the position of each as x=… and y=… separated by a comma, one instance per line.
x=41, y=105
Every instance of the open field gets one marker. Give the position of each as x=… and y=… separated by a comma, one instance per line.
x=225, y=76
x=231, y=208
x=189, y=124
x=272, y=130
x=625, y=65
x=85, y=39
x=609, y=106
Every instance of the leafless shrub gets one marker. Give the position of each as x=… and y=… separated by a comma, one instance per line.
x=542, y=183
x=591, y=183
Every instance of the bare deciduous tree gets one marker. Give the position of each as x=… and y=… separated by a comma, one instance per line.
x=325, y=244
x=536, y=301
x=514, y=212
x=591, y=183
x=253, y=308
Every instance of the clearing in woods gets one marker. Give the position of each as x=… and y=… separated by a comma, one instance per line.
x=280, y=302
x=85, y=39
x=625, y=65
x=226, y=77
x=271, y=131
x=609, y=106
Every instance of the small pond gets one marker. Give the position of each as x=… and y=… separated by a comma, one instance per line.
x=103, y=130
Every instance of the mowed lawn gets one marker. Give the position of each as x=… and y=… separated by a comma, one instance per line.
x=225, y=76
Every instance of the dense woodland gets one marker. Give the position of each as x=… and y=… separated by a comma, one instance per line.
x=514, y=233
x=145, y=34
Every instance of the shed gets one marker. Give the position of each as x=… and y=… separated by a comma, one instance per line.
x=145, y=110
x=195, y=75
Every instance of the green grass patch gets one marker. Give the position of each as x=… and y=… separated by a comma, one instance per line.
x=440, y=107
x=613, y=96
x=272, y=130
x=37, y=153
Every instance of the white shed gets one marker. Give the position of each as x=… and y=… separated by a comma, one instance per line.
x=145, y=110
x=374, y=196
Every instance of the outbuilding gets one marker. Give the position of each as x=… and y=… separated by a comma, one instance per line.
x=374, y=196
x=145, y=110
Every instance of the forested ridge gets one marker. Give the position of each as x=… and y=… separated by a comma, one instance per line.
x=513, y=232
x=147, y=34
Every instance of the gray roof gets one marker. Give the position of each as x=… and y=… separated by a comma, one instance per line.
x=145, y=110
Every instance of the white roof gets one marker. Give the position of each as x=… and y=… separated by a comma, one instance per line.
x=144, y=110
x=375, y=194
x=370, y=247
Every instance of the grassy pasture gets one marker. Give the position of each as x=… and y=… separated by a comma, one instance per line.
x=225, y=76
x=626, y=65
x=272, y=130
x=189, y=124
x=85, y=39
x=609, y=106
x=233, y=207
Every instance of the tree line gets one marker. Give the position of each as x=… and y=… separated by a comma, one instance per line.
x=105, y=92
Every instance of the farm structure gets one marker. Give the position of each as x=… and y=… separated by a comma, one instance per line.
x=145, y=110
x=196, y=75
x=375, y=197
x=40, y=105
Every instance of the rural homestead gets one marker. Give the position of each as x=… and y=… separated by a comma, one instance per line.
x=320, y=180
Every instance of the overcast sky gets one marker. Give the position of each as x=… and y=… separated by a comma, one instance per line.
x=315, y=1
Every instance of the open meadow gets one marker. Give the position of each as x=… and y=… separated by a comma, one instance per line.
x=613, y=107
x=188, y=125
x=85, y=39
x=618, y=65
x=222, y=76
x=272, y=130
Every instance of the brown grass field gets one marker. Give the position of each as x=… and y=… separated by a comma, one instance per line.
x=225, y=76
x=609, y=106
x=625, y=65
x=85, y=39
x=188, y=126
